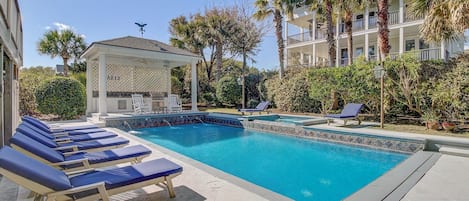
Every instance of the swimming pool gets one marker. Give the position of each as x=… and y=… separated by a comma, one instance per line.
x=297, y=168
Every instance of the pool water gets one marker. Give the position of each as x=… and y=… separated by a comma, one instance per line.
x=298, y=168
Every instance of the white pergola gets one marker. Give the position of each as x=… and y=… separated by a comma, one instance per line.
x=119, y=67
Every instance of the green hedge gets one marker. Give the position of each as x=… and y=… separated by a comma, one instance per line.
x=61, y=96
x=228, y=91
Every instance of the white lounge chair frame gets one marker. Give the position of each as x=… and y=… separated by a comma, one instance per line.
x=174, y=103
x=44, y=193
x=139, y=105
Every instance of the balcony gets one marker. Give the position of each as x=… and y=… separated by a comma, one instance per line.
x=421, y=55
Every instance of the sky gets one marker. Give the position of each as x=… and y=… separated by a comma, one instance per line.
x=100, y=20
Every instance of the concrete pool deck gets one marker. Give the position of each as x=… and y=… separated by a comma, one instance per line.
x=447, y=179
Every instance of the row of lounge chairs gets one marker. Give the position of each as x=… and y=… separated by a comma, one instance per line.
x=59, y=163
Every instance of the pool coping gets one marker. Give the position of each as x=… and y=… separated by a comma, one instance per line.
x=397, y=182
x=251, y=187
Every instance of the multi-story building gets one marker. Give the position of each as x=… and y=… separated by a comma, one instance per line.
x=11, y=59
x=306, y=43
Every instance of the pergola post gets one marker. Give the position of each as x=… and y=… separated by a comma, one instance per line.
x=89, y=91
x=194, y=87
x=102, y=109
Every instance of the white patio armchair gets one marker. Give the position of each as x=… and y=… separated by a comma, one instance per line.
x=139, y=105
x=174, y=103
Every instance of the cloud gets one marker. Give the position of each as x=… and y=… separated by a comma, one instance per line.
x=47, y=28
x=83, y=36
x=61, y=26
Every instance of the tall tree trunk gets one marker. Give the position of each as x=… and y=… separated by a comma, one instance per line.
x=281, y=46
x=244, y=81
x=219, y=58
x=330, y=33
x=348, y=28
x=65, y=59
x=383, y=30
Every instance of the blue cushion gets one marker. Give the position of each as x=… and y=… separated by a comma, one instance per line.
x=128, y=175
x=33, y=170
x=351, y=109
x=98, y=143
x=86, y=131
x=36, y=136
x=82, y=137
x=38, y=124
x=36, y=148
x=113, y=154
x=92, y=136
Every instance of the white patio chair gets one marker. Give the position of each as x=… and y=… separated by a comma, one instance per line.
x=139, y=105
x=174, y=103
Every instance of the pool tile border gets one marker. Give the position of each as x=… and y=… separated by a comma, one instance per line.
x=401, y=145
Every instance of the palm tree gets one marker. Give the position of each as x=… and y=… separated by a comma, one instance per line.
x=220, y=23
x=276, y=9
x=64, y=43
x=444, y=19
x=383, y=30
x=348, y=7
x=324, y=11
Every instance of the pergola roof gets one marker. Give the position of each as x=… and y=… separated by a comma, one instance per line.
x=134, y=47
x=145, y=44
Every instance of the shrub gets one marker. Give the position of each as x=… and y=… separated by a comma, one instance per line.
x=291, y=94
x=62, y=96
x=81, y=77
x=228, y=91
x=29, y=79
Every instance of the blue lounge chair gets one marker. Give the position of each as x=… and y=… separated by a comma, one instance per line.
x=75, y=130
x=259, y=108
x=51, y=184
x=349, y=112
x=88, y=146
x=26, y=127
x=77, y=160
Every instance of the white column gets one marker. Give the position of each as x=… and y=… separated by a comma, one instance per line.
x=89, y=90
x=2, y=117
x=401, y=40
x=443, y=50
x=302, y=36
x=310, y=60
x=194, y=87
x=367, y=18
x=314, y=54
x=102, y=109
x=367, y=46
x=401, y=11
x=314, y=26
x=302, y=58
x=168, y=87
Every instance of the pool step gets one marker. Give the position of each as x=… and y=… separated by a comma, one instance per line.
x=397, y=182
x=455, y=151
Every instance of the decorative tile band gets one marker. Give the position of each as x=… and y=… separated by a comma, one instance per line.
x=370, y=141
x=378, y=142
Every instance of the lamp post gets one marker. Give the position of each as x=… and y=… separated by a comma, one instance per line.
x=379, y=73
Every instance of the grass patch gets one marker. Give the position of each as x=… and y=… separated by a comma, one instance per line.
x=223, y=110
x=420, y=130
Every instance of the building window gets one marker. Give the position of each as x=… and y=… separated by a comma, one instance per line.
x=409, y=45
x=358, y=51
x=423, y=44
x=359, y=17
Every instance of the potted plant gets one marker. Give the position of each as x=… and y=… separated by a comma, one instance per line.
x=448, y=126
x=431, y=120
